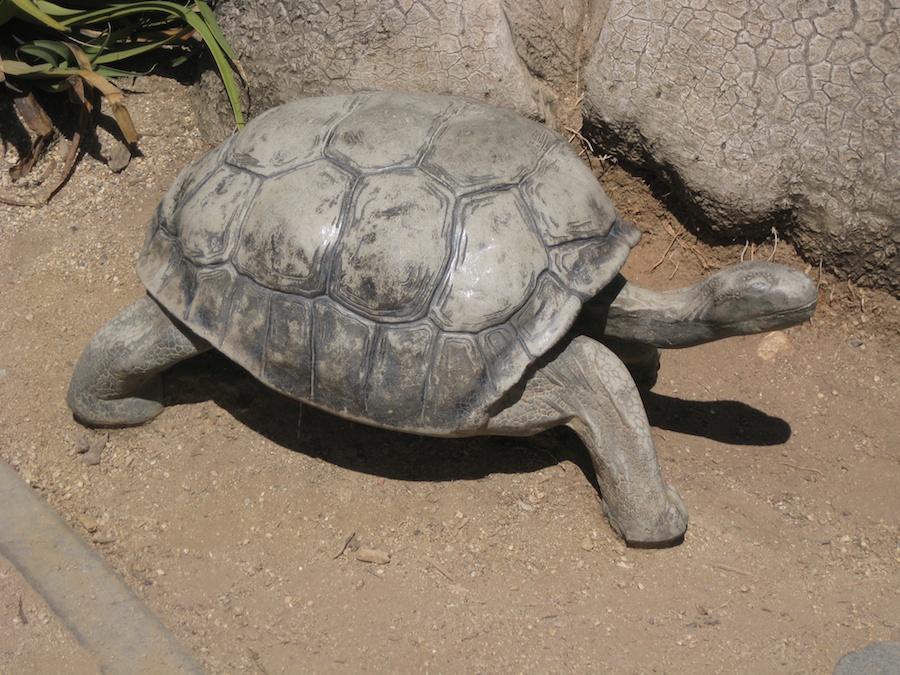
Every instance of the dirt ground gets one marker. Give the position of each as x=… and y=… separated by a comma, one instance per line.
x=232, y=521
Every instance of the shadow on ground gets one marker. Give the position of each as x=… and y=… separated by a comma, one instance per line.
x=410, y=457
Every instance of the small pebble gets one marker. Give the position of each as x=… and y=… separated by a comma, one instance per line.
x=92, y=456
x=88, y=523
x=773, y=345
x=373, y=555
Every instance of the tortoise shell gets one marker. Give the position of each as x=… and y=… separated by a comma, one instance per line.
x=395, y=258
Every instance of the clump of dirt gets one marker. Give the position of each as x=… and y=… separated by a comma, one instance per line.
x=271, y=542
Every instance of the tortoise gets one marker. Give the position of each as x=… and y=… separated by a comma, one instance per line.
x=428, y=264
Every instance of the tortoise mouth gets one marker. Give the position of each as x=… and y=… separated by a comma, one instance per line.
x=764, y=323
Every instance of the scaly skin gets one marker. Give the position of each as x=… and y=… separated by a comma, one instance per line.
x=117, y=380
x=588, y=389
x=751, y=297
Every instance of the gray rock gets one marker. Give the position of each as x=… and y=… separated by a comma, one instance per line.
x=296, y=48
x=881, y=658
x=785, y=112
x=555, y=37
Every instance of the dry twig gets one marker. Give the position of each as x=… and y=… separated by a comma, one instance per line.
x=439, y=568
x=666, y=253
x=801, y=468
x=729, y=568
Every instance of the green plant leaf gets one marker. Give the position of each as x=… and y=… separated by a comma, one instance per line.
x=55, y=10
x=109, y=71
x=112, y=56
x=41, y=47
x=119, y=10
x=22, y=69
x=223, y=64
x=31, y=10
x=102, y=34
x=210, y=19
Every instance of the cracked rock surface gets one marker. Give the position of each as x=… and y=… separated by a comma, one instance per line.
x=295, y=48
x=768, y=113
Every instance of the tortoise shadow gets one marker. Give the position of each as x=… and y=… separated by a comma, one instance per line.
x=411, y=457
x=355, y=446
x=730, y=422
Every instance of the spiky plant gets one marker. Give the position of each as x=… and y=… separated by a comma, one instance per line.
x=80, y=46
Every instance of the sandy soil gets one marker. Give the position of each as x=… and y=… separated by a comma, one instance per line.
x=232, y=520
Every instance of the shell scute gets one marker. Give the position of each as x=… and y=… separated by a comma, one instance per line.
x=584, y=262
x=501, y=348
x=394, y=248
x=467, y=151
x=184, y=185
x=564, y=198
x=550, y=298
x=294, y=223
x=386, y=131
x=209, y=308
x=341, y=342
x=397, y=393
x=288, y=361
x=178, y=284
x=245, y=332
x=208, y=222
x=498, y=260
x=288, y=136
x=450, y=399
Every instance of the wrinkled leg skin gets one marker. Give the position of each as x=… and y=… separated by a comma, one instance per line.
x=117, y=380
x=642, y=360
x=587, y=388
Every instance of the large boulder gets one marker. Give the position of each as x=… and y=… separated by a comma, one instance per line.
x=778, y=112
x=296, y=48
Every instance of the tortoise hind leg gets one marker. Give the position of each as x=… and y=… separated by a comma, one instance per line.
x=587, y=388
x=117, y=381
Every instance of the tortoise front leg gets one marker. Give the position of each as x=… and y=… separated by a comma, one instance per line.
x=587, y=388
x=117, y=380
